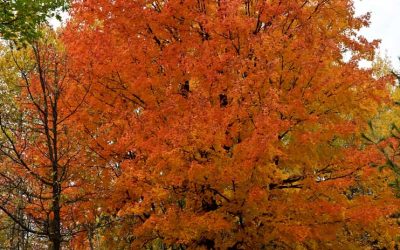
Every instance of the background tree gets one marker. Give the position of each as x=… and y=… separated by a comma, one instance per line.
x=19, y=19
x=231, y=124
x=383, y=131
x=43, y=187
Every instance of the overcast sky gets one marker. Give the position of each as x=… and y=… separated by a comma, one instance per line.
x=385, y=23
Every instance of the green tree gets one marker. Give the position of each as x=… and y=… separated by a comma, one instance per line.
x=19, y=18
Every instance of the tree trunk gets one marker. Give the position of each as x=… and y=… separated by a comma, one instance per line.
x=56, y=222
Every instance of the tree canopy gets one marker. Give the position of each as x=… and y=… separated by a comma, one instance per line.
x=201, y=124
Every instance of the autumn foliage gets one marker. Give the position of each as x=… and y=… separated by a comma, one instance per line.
x=224, y=125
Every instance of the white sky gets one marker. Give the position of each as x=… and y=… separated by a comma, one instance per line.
x=385, y=23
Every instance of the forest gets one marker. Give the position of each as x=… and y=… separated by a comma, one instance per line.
x=196, y=124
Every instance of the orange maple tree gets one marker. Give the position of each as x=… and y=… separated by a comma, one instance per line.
x=230, y=124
